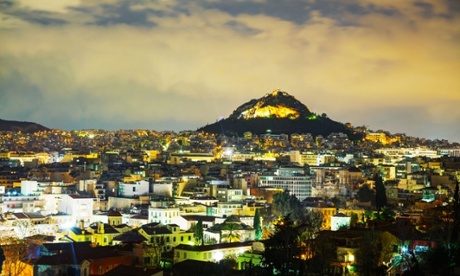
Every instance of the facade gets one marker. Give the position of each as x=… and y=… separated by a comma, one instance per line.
x=339, y=221
x=300, y=186
x=20, y=203
x=102, y=233
x=210, y=253
x=304, y=158
x=163, y=215
x=137, y=188
x=230, y=230
x=187, y=221
x=229, y=195
x=165, y=236
x=80, y=208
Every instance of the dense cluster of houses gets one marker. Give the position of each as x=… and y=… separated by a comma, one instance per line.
x=107, y=212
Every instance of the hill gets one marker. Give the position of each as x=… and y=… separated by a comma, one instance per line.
x=28, y=127
x=277, y=112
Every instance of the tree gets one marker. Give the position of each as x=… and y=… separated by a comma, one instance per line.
x=231, y=232
x=257, y=225
x=312, y=222
x=380, y=194
x=282, y=248
x=456, y=232
x=354, y=220
x=443, y=230
x=199, y=232
x=441, y=260
x=365, y=194
x=369, y=253
x=387, y=214
x=2, y=258
x=228, y=263
x=19, y=253
x=324, y=252
x=284, y=203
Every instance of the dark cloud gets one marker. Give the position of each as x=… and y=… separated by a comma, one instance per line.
x=242, y=28
x=122, y=13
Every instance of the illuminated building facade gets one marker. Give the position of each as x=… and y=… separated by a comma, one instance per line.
x=210, y=253
x=292, y=179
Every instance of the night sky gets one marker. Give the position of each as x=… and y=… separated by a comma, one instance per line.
x=179, y=65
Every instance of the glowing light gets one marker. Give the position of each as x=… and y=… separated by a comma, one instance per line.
x=351, y=258
x=270, y=111
x=404, y=249
x=219, y=255
x=228, y=152
x=66, y=225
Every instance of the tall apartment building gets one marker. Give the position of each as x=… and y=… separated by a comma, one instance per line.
x=292, y=179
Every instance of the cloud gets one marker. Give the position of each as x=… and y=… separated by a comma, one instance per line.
x=189, y=63
x=49, y=5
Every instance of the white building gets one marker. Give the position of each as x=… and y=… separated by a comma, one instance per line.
x=339, y=221
x=29, y=187
x=136, y=188
x=163, y=215
x=78, y=207
x=19, y=203
x=50, y=203
x=296, y=183
x=449, y=152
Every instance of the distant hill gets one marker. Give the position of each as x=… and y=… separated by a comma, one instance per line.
x=277, y=112
x=28, y=127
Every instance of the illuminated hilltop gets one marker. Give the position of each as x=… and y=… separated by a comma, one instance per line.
x=276, y=112
x=277, y=104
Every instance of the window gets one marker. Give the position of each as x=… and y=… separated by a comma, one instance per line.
x=182, y=238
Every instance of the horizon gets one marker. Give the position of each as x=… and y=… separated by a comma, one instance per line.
x=177, y=66
x=192, y=130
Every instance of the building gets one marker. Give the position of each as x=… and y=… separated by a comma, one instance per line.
x=296, y=183
x=80, y=208
x=230, y=230
x=340, y=221
x=225, y=194
x=165, y=236
x=187, y=221
x=133, y=189
x=210, y=253
x=163, y=215
x=305, y=158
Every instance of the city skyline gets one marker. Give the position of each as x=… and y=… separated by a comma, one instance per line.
x=179, y=65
